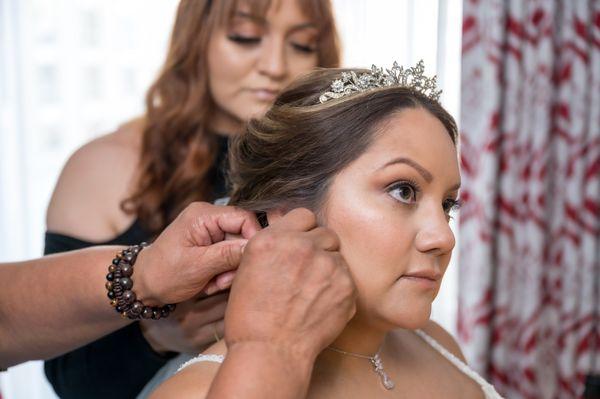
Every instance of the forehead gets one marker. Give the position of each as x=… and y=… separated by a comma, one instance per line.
x=418, y=135
x=261, y=9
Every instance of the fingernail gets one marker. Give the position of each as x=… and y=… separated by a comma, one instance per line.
x=225, y=281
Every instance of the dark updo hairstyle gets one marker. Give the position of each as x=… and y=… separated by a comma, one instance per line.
x=288, y=158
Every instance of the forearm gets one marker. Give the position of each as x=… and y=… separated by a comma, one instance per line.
x=54, y=304
x=254, y=371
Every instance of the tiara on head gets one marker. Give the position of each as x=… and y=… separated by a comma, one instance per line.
x=413, y=78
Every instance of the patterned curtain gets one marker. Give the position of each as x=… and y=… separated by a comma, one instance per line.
x=529, y=252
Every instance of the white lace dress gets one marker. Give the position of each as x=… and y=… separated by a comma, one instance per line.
x=488, y=390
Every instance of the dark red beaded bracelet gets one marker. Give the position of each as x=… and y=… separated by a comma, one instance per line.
x=120, y=288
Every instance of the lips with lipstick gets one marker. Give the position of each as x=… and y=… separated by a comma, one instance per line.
x=265, y=94
x=427, y=278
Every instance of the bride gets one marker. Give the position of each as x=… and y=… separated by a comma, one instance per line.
x=374, y=155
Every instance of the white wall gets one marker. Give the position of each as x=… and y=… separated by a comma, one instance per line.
x=73, y=69
x=69, y=71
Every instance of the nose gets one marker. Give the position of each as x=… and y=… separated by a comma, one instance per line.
x=272, y=61
x=435, y=236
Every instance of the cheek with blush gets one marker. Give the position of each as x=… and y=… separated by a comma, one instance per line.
x=377, y=247
x=374, y=251
x=229, y=69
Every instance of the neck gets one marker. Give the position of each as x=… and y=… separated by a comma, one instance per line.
x=357, y=338
x=226, y=124
x=360, y=338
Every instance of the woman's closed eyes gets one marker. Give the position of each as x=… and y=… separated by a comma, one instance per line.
x=248, y=41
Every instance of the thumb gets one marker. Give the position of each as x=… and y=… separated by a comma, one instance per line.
x=222, y=257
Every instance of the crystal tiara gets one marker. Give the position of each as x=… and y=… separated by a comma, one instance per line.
x=413, y=78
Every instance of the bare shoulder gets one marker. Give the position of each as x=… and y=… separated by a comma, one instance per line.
x=444, y=338
x=193, y=381
x=96, y=178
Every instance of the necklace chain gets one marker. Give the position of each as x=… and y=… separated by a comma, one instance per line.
x=375, y=361
x=354, y=354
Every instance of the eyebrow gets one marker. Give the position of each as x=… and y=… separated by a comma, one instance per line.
x=422, y=171
x=306, y=25
x=261, y=20
x=246, y=15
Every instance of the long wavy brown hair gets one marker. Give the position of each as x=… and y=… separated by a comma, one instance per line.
x=177, y=149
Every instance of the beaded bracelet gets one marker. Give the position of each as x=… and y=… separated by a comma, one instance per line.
x=119, y=285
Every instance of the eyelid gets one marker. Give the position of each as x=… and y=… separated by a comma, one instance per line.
x=304, y=40
x=304, y=48
x=457, y=203
x=409, y=182
x=406, y=182
x=244, y=39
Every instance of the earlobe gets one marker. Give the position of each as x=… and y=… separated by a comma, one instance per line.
x=273, y=215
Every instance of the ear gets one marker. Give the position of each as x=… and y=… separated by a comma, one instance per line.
x=274, y=215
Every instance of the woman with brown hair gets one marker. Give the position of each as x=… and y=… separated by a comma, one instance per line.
x=227, y=61
x=374, y=155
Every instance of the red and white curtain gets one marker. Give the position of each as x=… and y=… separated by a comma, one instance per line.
x=529, y=257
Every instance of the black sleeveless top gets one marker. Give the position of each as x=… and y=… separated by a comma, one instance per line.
x=120, y=364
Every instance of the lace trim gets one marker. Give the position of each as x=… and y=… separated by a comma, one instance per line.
x=488, y=389
x=202, y=358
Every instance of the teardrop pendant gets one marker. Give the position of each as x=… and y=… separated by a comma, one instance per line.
x=386, y=381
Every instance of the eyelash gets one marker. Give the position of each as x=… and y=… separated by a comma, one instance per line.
x=416, y=189
x=449, y=205
x=243, y=40
x=454, y=206
x=303, y=49
x=251, y=41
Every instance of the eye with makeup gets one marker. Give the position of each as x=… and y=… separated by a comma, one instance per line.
x=303, y=48
x=304, y=41
x=244, y=30
x=244, y=40
x=451, y=205
x=404, y=191
x=407, y=191
x=248, y=41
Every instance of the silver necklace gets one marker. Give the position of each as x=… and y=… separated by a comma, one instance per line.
x=376, y=362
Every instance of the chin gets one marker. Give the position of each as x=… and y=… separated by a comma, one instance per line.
x=256, y=111
x=410, y=318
